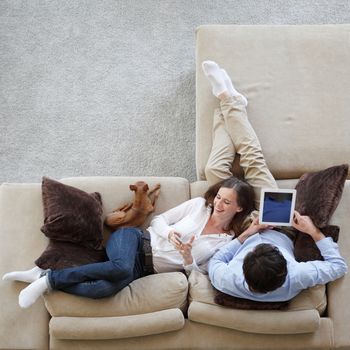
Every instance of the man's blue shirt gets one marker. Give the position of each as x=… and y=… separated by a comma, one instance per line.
x=226, y=273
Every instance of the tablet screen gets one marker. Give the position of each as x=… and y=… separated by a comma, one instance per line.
x=277, y=207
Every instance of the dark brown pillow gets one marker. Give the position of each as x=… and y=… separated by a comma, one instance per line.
x=73, y=222
x=60, y=255
x=305, y=248
x=246, y=304
x=319, y=193
x=72, y=215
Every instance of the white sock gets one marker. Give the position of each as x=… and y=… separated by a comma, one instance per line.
x=231, y=89
x=213, y=72
x=24, y=276
x=30, y=294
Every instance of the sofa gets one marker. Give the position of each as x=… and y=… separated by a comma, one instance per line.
x=296, y=79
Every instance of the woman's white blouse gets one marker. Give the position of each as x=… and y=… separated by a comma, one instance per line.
x=188, y=218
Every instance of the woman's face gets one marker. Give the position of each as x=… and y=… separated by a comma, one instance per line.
x=225, y=204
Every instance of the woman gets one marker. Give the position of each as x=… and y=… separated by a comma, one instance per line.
x=187, y=236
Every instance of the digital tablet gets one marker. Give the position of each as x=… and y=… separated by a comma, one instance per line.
x=277, y=206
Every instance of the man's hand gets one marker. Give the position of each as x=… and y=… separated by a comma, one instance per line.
x=304, y=224
x=253, y=229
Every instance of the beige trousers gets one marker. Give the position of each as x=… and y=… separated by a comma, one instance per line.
x=233, y=134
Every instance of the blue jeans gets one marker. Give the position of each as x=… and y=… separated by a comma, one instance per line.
x=124, y=250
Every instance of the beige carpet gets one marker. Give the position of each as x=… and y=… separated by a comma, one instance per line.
x=108, y=87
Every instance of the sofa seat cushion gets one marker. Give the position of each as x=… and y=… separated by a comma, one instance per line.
x=92, y=328
x=303, y=306
x=255, y=321
x=200, y=289
x=148, y=294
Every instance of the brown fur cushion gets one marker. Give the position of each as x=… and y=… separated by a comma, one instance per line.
x=60, y=255
x=305, y=248
x=245, y=304
x=71, y=215
x=318, y=195
x=73, y=222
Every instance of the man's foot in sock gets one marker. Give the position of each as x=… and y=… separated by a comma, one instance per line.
x=24, y=276
x=213, y=72
x=29, y=295
x=231, y=89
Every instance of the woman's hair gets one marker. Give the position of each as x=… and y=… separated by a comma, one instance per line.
x=264, y=268
x=245, y=199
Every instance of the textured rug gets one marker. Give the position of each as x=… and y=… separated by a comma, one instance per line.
x=108, y=87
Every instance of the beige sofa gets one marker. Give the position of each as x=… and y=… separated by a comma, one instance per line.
x=297, y=81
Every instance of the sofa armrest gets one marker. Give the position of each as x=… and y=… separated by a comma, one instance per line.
x=21, y=243
x=338, y=292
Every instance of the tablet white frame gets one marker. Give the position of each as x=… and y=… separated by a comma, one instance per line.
x=277, y=190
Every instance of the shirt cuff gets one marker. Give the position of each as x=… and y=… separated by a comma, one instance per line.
x=236, y=243
x=191, y=267
x=325, y=243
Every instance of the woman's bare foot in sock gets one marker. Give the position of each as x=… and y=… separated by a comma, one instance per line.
x=29, y=295
x=28, y=276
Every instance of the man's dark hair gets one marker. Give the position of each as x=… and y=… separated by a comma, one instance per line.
x=264, y=268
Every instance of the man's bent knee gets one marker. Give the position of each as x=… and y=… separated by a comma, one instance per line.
x=214, y=174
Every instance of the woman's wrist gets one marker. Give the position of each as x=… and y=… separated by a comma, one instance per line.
x=188, y=261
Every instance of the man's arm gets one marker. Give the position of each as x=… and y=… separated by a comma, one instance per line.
x=222, y=276
x=316, y=272
x=227, y=252
x=319, y=272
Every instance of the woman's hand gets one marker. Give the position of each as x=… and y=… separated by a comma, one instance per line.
x=304, y=224
x=174, y=238
x=186, y=251
x=253, y=229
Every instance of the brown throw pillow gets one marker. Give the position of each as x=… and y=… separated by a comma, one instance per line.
x=246, y=304
x=73, y=222
x=319, y=193
x=71, y=215
x=60, y=255
x=305, y=248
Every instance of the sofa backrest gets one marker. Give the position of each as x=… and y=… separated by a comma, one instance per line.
x=297, y=81
x=115, y=190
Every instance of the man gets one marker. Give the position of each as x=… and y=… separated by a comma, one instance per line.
x=260, y=264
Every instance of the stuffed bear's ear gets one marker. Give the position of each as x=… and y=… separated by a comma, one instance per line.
x=132, y=187
x=145, y=187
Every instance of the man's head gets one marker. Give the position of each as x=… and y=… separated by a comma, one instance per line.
x=264, y=268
